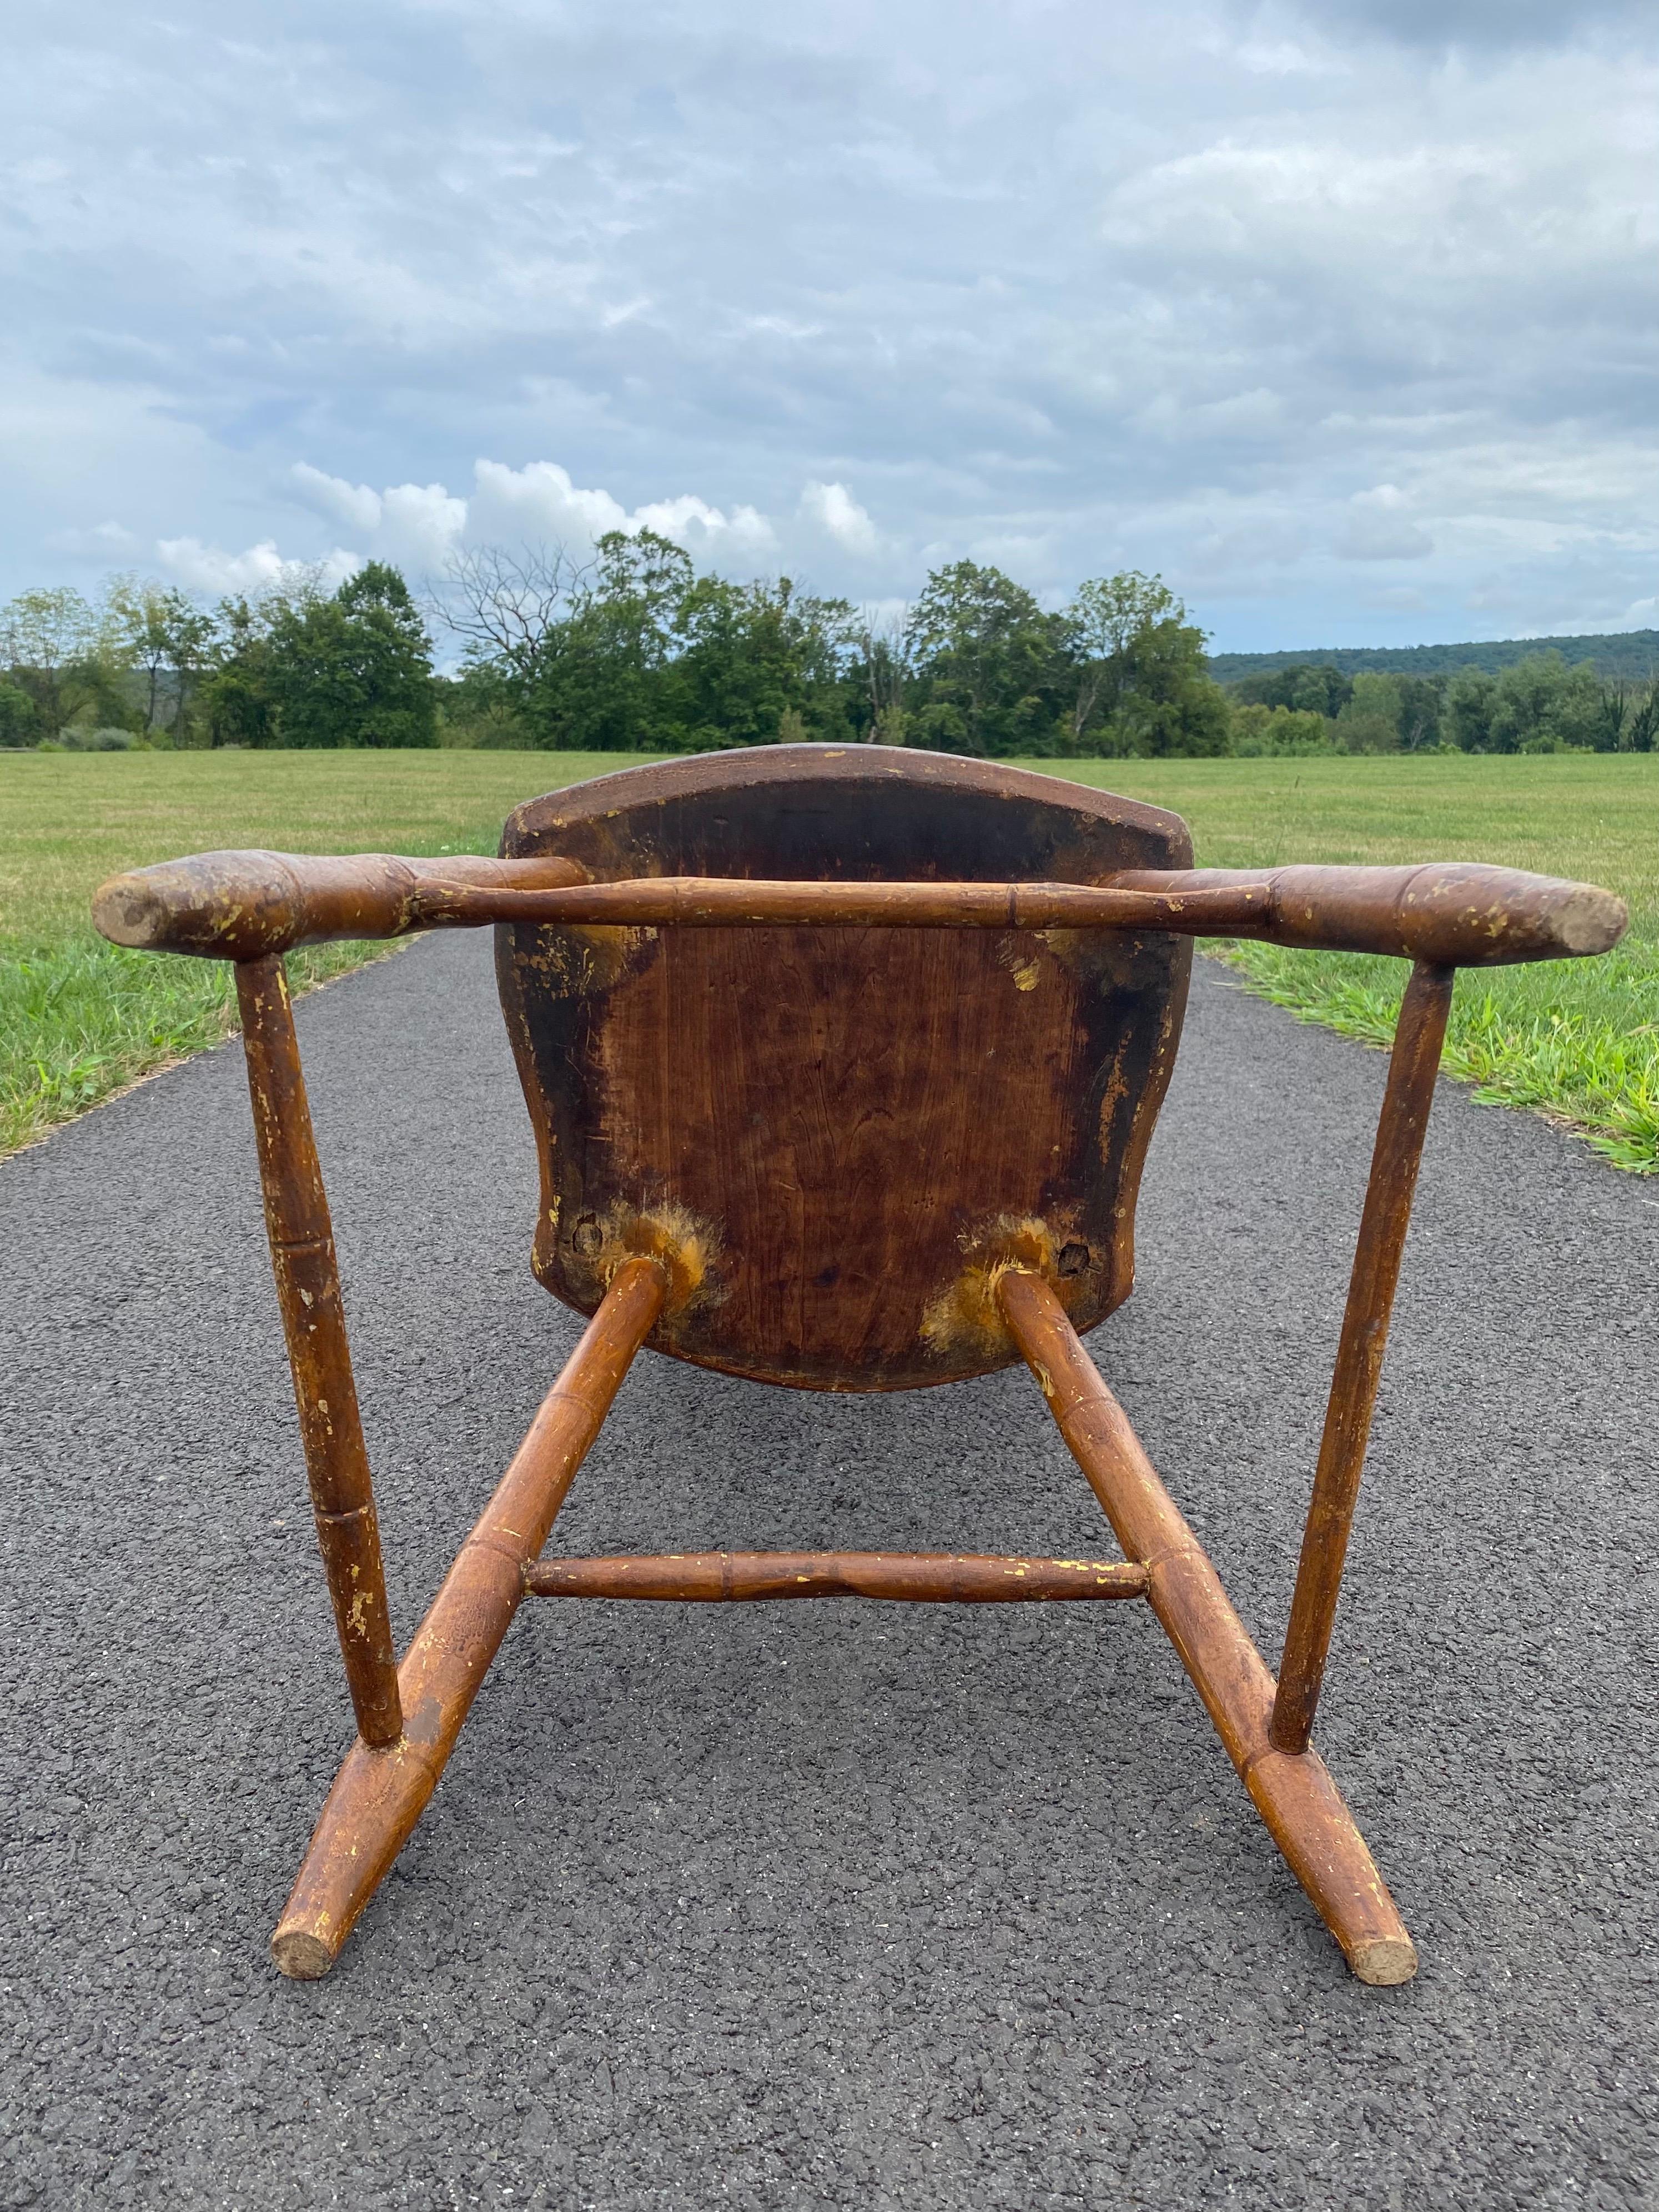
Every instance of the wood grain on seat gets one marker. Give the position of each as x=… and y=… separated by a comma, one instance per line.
x=839, y=1124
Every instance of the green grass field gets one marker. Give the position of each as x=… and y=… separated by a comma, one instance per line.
x=79, y=1019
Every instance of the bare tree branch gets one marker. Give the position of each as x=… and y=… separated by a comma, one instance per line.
x=502, y=603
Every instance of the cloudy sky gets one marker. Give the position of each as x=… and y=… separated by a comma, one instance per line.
x=1342, y=316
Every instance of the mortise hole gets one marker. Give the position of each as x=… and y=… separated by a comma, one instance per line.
x=587, y=1236
x=1073, y=1258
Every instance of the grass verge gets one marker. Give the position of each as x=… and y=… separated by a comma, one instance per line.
x=79, y=1020
x=1577, y=1039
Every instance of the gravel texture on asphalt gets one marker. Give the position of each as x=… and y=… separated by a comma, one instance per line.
x=811, y=1905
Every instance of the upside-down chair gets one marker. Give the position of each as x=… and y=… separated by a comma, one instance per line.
x=841, y=1065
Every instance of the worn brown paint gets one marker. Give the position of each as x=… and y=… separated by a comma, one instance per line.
x=242, y=906
x=847, y=1107
x=864, y=1106
x=1400, y=1129
x=301, y=1238
x=730, y=1577
x=380, y=1794
x=1295, y=1797
x=235, y=905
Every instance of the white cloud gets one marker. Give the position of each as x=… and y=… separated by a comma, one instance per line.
x=691, y=521
x=416, y=525
x=355, y=505
x=541, y=501
x=1075, y=288
x=836, y=512
x=420, y=525
x=209, y=569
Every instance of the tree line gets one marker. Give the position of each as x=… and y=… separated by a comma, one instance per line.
x=1540, y=704
x=634, y=650
x=1632, y=654
x=295, y=667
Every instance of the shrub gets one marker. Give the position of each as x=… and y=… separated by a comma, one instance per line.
x=20, y=718
x=1279, y=732
x=106, y=739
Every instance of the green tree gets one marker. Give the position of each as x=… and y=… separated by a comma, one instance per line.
x=990, y=663
x=482, y=707
x=1641, y=728
x=1110, y=618
x=238, y=696
x=1304, y=689
x=304, y=670
x=1170, y=709
x=161, y=631
x=1542, y=705
x=882, y=678
x=1369, y=723
x=1142, y=682
x=20, y=718
x=1422, y=701
x=355, y=670
x=1470, y=698
x=599, y=675
x=189, y=636
x=46, y=637
x=138, y=610
x=750, y=655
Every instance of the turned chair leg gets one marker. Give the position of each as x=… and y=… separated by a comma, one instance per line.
x=1293, y=1793
x=302, y=1239
x=380, y=1792
x=1400, y=1129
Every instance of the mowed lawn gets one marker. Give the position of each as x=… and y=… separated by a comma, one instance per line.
x=80, y=1019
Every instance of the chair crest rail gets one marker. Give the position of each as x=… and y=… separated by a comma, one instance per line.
x=240, y=906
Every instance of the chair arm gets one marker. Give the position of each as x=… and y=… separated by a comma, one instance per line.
x=1458, y=913
x=241, y=906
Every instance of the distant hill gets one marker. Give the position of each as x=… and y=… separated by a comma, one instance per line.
x=1632, y=652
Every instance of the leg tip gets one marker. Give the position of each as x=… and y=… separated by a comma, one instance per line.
x=1385, y=1962
x=300, y=1955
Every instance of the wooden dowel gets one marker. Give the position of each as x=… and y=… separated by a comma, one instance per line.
x=1401, y=1130
x=713, y=902
x=378, y=1795
x=235, y=905
x=1298, y=1800
x=1471, y=915
x=302, y=1260
x=732, y=1577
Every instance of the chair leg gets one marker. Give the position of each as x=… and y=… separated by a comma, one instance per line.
x=381, y=1792
x=1293, y=1792
x=1401, y=1130
x=302, y=1261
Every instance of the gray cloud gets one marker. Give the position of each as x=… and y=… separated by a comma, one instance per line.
x=1445, y=23
x=1062, y=286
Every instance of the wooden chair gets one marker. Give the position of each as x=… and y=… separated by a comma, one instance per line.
x=841, y=1065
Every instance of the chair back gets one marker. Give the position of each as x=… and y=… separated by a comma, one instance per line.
x=842, y=1131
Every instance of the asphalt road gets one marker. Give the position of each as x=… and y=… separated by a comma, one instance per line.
x=820, y=1904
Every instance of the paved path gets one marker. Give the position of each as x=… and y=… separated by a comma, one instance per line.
x=821, y=1904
